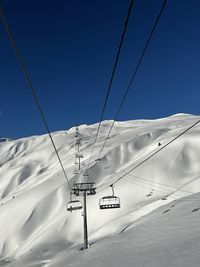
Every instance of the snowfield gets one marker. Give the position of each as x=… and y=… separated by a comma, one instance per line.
x=147, y=231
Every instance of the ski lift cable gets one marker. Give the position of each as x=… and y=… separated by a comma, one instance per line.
x=122, y=39
x=188, y=182
x=134, y=74
x=152, y=155
x=144, y=181
x=149, y=184
x=174, y=193
x=177, y=190
x=30, y=85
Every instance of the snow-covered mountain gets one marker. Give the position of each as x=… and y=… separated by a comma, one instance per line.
x=36, y=229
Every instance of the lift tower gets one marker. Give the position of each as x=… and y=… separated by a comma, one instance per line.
x=83, y=189
x=78, y=155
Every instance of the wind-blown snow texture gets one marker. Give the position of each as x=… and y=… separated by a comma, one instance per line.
x=36, y=229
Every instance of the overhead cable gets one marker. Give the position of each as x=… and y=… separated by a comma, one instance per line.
x=134, y=74
x=30, y=85
x=112, y=75
x=152, y=155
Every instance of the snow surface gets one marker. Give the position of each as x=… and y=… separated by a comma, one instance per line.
x=36, y=229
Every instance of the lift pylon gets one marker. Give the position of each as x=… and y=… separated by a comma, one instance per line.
x=80, y=189
x=84, y=189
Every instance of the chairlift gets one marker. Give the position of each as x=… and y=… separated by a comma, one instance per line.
x=78, y=142
x=74, y=205
x=150, y=194
x=79, y=155
x=109, y=202
x=165, y=197
x=98, y=159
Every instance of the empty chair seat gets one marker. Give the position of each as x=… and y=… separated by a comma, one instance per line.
x=74, y=205
x=109, y=202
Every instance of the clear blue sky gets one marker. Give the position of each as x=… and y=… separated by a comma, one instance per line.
x=69, y=49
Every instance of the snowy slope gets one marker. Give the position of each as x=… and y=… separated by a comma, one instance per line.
x=169, y=236
x=37, y=229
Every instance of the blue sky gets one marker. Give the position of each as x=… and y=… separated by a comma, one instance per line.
x=69, y=48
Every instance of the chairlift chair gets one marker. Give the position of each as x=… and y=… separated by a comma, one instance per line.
x=79, y=155
x=74, y=205
x=109, y=202
x=78, y=141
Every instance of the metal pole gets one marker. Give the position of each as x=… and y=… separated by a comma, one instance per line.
x=79, y=158
x=79, y=163
x=85, y=220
